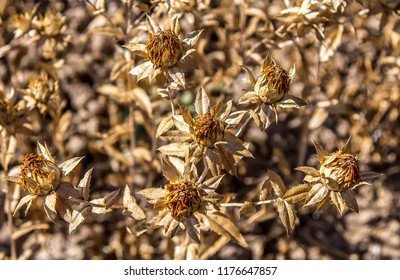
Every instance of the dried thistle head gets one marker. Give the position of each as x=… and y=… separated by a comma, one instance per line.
x=22, y=23
x=185, y=204
x=335, y=181
x=270, y=90
x=52, y=24
x=206, y=137
x=273, y=83
x=39, y=176
x=166, y=54
x=208, y=129
x=164, y=49
x=342, y=168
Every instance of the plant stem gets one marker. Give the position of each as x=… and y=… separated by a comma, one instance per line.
x=13, y=247
x=171, y=100
x=240, y=204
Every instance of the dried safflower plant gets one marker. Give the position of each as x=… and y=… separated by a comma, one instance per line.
x=165, y=52
x=207, y=136
x=41, y=176
x=187, y=204
x=271, y=90
x=335, y=181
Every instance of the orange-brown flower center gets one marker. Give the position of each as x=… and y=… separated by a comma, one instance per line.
x=182, y=198
x=164, y=49
x=342, y=168
x=208, y=130
x=272, y=84
x=39, y=176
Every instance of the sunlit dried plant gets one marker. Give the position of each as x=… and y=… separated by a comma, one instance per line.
x=207, y=136
x=166, y=54
x=187, y=204
x=271, y=90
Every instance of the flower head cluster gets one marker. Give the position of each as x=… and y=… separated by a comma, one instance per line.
x=271, y=90
x=165, y=53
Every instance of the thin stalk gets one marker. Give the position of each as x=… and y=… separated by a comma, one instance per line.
x=171, y=100
x=240, y=204
x=13, y=246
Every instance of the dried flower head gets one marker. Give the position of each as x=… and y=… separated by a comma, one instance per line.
x=342, y=168
x=182, y=198
x=165, y=52
x=336, y=179
x=187, y=204
x=208, y=130
x=39, y=176
x=164, y=49
x=42, y=93
x=206, y=136
x=271, y=90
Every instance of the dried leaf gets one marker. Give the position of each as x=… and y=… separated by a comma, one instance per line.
x=152, y=193
x=192, y=38
x=317, y=193
x=247, y=208
x=111, y=198
x=169, y=171
x=68, y=165
x=44, y=151
x=277, y=183
x=202, y=102
x=109, y=31
x=338, y=201
x=369, y=176
x=84, y=184
x=152, y=26
x=67, y=191
x=133, y=208
x=166, y=124
x=287, y=215
x=192, y=228
x=175, y=149
x=252, y=79
x=50, y=202
x=297, y=193
x=78, y=216
x=212, y=183
x=320, y=150
x=350, y=199
x=28, y=199
x=308, y=170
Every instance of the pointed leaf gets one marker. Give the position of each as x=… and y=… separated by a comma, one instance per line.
x=28, y=199
x=44, y=151
x=165, y=125
x=152, y=193
x=78, y=216
x=169, y=171
x=68, y=165
x=297, y=193
x=212, y=183
x=84, y=184
x=320, y=150
x=202, y=102
x=133, y=208
x=347, y=146
x=152, y=26
x=192, y=228
x=287, y=215
x=175, y=149
x=350, y=200
x=111, y=198
x=317, y=193
x=175, y=27
x=192, y=38
x=277, y=183
x=252, y=79
x=369, y=176
x=247, y=208
x=338, y=201
x=308, y=170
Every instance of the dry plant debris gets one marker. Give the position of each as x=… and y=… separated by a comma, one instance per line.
x=181, y=129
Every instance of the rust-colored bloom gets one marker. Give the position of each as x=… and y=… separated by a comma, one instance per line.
x=166, y=54
x=272, y=84
x=39, y=176
x=185, y=204
x=182, y=198
x=164, y=49
x=270, y=90
x=341, y=167
x=206, y=136
x=335, y=181
x=207, y=130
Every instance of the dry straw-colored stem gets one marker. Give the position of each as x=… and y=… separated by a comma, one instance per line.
x=239, y=204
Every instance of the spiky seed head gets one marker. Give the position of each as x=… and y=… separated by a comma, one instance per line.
x=208, y=130
x=182, y=198
x=342, y=168
x=164, y=49
x=272, y=84
x=39, y=176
